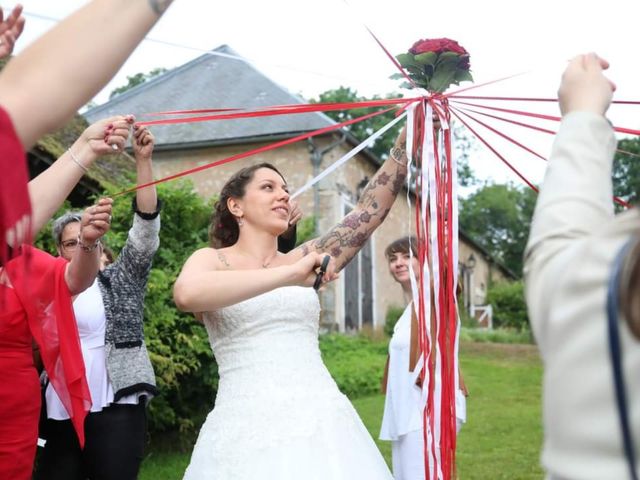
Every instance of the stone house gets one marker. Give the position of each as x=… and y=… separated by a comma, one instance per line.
x=220, y=79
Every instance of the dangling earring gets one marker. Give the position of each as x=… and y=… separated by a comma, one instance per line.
x=240, y=221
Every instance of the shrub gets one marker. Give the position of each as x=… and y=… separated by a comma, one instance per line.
x=355, y=363
x=509, y=307
x=393, y=315
x=305, y=230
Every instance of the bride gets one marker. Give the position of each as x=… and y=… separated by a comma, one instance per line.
x=278, y=413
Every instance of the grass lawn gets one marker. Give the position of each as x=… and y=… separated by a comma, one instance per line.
x=503, y=435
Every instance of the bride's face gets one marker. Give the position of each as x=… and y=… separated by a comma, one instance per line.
x=266, y=202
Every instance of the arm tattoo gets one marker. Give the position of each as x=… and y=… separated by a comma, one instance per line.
x=159, y=6
x=345, y=239
x=223, y=259
x=304, y=248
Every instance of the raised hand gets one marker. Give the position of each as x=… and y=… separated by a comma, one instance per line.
x=109, y=135
x=143, y=142
x=95, y=222
x=10, y=30
x=584, y=87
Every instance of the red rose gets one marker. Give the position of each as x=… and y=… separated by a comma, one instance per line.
x=423, y=46
x=437, y=45
x=453, y=46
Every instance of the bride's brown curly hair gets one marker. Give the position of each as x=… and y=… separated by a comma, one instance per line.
x=223, y=229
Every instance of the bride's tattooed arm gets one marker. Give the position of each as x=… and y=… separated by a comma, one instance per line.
x=345, y=239
x=159, y=6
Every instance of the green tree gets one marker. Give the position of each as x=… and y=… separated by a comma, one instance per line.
x=366, y=128
x=137, y=79
x=499, y=218
x=381, y=147
x=626, y=170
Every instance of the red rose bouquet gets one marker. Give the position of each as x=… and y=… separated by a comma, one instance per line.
x=435, y=64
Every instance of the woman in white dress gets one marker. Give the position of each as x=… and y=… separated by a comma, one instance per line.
x=278, y=413
x=403, y=407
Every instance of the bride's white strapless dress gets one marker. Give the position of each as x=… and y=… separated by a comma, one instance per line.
x=278, y=413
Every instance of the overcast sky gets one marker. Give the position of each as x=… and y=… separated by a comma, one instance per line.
x=309, y=46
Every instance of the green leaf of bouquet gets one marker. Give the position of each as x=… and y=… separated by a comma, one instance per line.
x=446, y=56
x=446, y=61
x=443, y=77
x=463, y=76
x=406, y=85
x=396, y=76
x=405, y=59
x=426, y=58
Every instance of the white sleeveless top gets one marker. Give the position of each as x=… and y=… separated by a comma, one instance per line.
x=91, y=321
x=402, y=406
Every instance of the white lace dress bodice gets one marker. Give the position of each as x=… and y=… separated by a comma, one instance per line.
x=278, y=413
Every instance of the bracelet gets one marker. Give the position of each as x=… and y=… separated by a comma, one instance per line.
x=396, y=155
x=76, y=161
x=88, y=248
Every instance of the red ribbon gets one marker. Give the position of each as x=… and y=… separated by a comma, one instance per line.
x=618, y=200
x=530, y=99
x=276, y=110
x=629, y=131
x=259, y=150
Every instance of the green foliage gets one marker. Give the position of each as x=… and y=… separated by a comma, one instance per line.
x=137, y=79
x=626, y=170
x=355, y=363
x=499, y=218
x=391, y=318
x=306, y=230
x=185, y=369
x=509, y=307
x=44, y=240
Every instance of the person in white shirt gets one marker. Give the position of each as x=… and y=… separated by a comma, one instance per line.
x=575, y=237
x=403, y=407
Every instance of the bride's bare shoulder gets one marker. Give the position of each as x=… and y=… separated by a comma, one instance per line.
x=209, y=258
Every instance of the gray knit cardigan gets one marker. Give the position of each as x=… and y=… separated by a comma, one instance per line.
x=123, y=285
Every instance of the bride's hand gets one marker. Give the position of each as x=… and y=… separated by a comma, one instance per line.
x=306, y=269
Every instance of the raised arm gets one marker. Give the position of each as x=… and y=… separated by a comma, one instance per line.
x=143, y=142
x=143, y=240
x=85, y=263
x=68, y=65
x=49, y=189
x=346, y=239
x=575, y=198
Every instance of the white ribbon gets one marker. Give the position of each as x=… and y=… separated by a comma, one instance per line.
x=346, y=157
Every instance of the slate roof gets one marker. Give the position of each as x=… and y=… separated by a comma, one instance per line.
x=212, y=81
